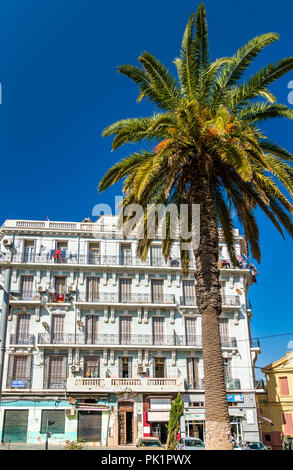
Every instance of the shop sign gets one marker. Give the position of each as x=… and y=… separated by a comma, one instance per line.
x=17, y=383
x=235, y=397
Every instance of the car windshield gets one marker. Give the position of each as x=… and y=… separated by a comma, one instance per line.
x=256, y=445
x=193, y=443
x=153, y=443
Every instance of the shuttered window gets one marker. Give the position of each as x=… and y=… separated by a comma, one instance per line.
x=58, y=416
x=55, y=371
x=156, y=255
x=91, y=366
x=125, y=330
x=125, y=290
x=57, y=329
x=22, y=330
x=158, y=330
x=93, y=288
x=288, y=424
x=190, y=328
x=91, y=329
x=159, y=367
x=157, y=290
x=192, y=372
x=224, y=328
x=284, y=386
x=27, y=283
x=125, y=254
x=19, y=369
x=188, y=292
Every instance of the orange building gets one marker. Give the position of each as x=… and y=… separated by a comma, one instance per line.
x=275, y=405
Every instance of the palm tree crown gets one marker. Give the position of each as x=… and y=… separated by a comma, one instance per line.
x=207, y=124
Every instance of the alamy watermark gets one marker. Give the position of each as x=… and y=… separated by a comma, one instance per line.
x=153, y=221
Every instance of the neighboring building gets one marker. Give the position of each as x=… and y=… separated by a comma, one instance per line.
x=100, y=342
x=276, y=403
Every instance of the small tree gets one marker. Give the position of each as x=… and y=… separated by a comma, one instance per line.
x=177, y=408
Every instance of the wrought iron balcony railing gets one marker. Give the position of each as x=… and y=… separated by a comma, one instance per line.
x=131, y=340
x=22, y=340
x=190, y=301
x=112, y=297
x=29, y=295
x=198, y=384
x=54, y=383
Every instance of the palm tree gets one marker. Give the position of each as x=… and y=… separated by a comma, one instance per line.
x=208, y=151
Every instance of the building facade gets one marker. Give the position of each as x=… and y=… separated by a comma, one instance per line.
x=276, y=403
x=100, y=342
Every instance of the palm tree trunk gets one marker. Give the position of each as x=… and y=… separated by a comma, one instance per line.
x=217, y=423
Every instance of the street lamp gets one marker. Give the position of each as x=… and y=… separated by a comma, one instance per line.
x=48, y=434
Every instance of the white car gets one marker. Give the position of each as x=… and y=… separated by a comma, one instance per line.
x=190, y=443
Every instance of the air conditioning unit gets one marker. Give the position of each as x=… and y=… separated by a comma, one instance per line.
x=141, y=370
x=42, y=288
x=75, y=368
x=174, y=262
x=70, y=412
x=71, y=288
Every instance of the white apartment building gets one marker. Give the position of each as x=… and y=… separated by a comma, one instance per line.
x=100, y=342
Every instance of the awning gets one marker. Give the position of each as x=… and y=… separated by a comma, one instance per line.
x=158, y=416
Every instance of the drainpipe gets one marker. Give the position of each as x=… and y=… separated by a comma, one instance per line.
x=3, y=326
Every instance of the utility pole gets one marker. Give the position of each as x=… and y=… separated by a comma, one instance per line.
x=3, y=326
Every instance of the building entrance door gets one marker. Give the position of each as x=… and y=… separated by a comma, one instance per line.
x=125, y=423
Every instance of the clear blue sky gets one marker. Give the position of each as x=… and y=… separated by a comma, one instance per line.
x=60, y=88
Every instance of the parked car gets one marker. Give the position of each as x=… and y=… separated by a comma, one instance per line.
x=190, y=443
x=257, y=446
x=150, y=442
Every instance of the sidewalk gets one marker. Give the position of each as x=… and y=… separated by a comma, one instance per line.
x=51, y=446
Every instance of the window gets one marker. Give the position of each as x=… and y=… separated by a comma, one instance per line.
x=125, y=254
x=60, y=252
x=57, y=329
x=125, y=290
x=224, y=328
x=22, y=329
x=94, y=253
x=227, y=369
x=19, y=369
x=92, y=289
x=284, y=387
x=27, y=283
x=156, y=255
x=188, y=292
x=91, y=366
x=288, y=424
x=29, y=251
x=157, y=291
x=91, y=329
x=267, y=437
x=60, y=288
x=158, y=330
x=58, y=416
x=192, y=372
x=159, y=367
x=125, y=367
x=190, y=328
x=125, y=329
x=55, y=371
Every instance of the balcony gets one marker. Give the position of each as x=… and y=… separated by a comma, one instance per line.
x=28, y=296
x=109, y=385
x=231, y=384
x=22, y=383
x=227, y=300
x=129, y=340
x=25, y=340
x=230, y=300
x=115, y=298
x=68, y=258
